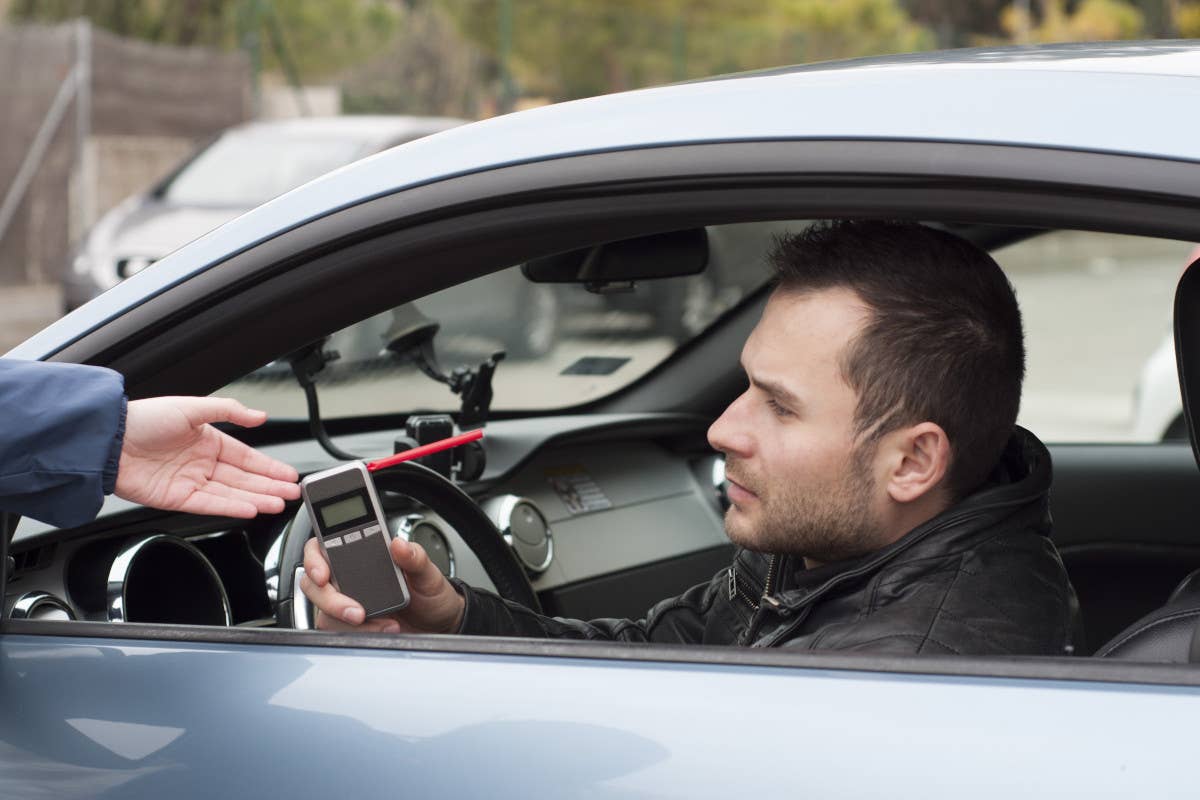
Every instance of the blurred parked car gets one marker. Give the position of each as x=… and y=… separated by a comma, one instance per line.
x=242, y=168
x=248, y=165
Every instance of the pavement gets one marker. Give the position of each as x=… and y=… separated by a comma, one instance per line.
x=25, y=310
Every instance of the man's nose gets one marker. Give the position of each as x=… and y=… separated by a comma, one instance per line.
x=729, y=433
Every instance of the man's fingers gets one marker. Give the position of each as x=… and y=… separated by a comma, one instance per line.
x=315, y=565
x=336, y=611
x=424, y=577
x=332, y=602
x=244, y=457
x=255, y=483
x=327, y=623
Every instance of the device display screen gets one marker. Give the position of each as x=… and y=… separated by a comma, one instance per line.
x=343, y=510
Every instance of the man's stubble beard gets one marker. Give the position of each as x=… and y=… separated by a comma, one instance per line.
x=825, y=523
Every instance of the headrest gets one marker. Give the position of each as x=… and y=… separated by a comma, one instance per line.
x=1187, y=349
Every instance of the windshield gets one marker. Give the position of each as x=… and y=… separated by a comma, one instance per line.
x=248, y=168
x=564, y=345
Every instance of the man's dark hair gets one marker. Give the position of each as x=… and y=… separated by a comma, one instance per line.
x=943, y=342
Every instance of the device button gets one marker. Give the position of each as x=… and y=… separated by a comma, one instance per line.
x=351, y=538
x=370, y=530
x=334, y=542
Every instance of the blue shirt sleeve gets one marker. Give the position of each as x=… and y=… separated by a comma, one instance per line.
x=61, y=430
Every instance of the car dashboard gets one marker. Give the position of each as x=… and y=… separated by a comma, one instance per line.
x=607, y=514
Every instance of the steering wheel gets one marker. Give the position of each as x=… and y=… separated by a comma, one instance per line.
x=437, y=493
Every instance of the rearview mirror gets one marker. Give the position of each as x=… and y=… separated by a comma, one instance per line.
x=662, y=255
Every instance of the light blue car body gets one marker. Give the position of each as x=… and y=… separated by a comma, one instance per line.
x=308, y=716
x=207, y=720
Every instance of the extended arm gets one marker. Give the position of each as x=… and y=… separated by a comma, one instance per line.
x=68, y=437
x=61, y=427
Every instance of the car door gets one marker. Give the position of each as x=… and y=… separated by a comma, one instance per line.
x=155, y=713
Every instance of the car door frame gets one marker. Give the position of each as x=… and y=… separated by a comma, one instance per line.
x=583, y=199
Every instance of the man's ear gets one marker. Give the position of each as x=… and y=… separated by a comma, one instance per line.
x=918, y=459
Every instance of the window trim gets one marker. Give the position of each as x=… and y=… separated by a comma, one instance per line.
x=1066, y=668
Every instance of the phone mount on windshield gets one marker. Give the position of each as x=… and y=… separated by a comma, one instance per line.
x=409, y=338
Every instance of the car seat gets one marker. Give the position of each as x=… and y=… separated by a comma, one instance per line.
x=1172, y=632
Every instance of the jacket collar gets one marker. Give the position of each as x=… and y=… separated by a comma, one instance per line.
x=1020, y=481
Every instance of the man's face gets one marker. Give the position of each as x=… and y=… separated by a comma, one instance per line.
x=797, y=482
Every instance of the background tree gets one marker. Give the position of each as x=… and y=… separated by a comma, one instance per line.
x=1090, y=21
x=462, y=56
x=828, y=29
x=1187, y=20
x=428, y=67
x=957, y=23
x=318, y=38
x=575, y=48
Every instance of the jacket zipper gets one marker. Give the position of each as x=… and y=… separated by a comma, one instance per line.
x=735, y=590
x=772, y=569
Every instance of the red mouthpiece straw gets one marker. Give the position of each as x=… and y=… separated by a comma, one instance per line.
x=425, y=450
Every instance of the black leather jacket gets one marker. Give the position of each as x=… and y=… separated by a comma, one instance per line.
x=980, y=578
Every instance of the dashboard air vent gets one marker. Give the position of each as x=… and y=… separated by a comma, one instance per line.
x=33, y=559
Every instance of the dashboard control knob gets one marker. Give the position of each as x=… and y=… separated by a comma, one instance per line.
x=419, y=530
x=524, y=527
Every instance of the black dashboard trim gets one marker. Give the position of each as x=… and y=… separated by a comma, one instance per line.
x=1073, y=669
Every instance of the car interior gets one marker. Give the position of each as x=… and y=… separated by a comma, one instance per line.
x=594, y=492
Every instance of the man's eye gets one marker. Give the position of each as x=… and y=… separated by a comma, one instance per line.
x=777, y=409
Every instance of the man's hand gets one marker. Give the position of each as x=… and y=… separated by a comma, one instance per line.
x=434, y=607
x=173, y=459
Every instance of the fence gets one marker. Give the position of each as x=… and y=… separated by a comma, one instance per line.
x=87, y=118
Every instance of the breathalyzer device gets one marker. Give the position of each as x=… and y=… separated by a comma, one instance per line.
x=353, y=533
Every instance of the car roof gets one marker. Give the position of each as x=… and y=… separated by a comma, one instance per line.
x=1120, y=97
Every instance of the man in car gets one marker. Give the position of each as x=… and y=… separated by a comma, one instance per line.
x=881, y=497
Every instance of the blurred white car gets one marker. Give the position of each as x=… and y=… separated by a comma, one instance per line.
x=243, y=167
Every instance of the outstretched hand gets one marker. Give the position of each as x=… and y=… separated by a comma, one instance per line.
x=173, y=459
